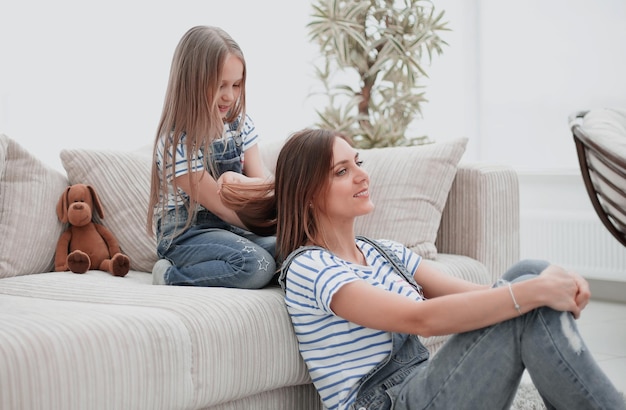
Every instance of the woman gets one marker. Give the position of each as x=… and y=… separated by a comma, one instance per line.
x=356, y=317
x=200, y=143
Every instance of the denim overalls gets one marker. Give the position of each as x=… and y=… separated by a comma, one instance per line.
x=482, y=369
x=212, y=252
x=407, y=351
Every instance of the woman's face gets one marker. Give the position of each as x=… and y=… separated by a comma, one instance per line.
x=348, y=194
x=230, y=85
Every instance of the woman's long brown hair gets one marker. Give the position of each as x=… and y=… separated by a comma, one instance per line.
x=254, y=204
x=288, y=208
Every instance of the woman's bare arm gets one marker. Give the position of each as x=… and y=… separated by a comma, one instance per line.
x=455, y=310
x=437, y=283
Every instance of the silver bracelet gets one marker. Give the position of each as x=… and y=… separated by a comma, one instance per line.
x=515, y=304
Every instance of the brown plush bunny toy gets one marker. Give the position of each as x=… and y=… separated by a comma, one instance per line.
x=86, y=244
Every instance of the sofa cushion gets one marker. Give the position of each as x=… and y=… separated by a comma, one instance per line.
x=29, y=191
x=409, y=187
x=68, y=355
x=122, y=181
x=607, y=127
x=205, y=345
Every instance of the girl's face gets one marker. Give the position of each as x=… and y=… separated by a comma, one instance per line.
x=347, y=195
x=230, y=84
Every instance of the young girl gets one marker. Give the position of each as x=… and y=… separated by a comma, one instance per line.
x=202, y=137
x=356, y=316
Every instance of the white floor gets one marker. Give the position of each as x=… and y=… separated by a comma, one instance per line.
x=603, y=327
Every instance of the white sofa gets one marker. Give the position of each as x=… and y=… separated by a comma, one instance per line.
x=95, y=341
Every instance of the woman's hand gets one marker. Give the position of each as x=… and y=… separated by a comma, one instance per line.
x=565, y=290
x=584, y=293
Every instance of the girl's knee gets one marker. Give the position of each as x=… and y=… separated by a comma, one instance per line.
x=256, y=279
x=258, y=270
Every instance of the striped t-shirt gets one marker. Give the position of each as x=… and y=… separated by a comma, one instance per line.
x=248, y=137
x=338, y=353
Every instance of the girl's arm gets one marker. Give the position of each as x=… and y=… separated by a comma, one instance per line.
x=207, y=195
x=254, y=172
x=253, y=166
x=473, y=308
x=208, y=188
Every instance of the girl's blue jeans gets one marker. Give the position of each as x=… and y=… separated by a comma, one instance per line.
x=482, y=369
x=214, y=253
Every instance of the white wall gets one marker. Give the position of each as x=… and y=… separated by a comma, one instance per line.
x=541, y=61
x=73, y=74
x=515, y=71
x=558, y=224
x=77, y=75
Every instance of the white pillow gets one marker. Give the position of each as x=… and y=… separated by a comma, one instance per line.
x=122, y=182
x=409, y=187
x=29, y=227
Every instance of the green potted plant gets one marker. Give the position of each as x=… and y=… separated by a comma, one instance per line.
x=373, y=53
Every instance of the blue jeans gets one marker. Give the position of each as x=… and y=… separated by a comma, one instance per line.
x=214, y=253
x=482, y=369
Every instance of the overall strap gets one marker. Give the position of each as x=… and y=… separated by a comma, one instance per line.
x=284, y=267
x=383, y=250
x=397, y=264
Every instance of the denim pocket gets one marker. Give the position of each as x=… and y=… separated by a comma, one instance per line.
x=374, y=399
x=413, y=351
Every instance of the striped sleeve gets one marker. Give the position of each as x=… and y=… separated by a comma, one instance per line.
x=249, y=133
x=314, y=278
x=181, y=166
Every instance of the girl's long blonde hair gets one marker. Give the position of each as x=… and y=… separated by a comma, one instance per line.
x=190, y=108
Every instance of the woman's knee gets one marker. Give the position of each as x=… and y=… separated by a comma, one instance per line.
x=525, y=267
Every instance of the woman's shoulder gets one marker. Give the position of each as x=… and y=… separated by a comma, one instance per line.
x=313, y=260
x=319, y=254
x=387, y=244
x=313, y=268
x=374, y=249
x=307, y=254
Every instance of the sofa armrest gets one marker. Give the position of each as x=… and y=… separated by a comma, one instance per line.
x=481, y=217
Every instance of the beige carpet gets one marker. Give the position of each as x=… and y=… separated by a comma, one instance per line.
x=527, y=398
